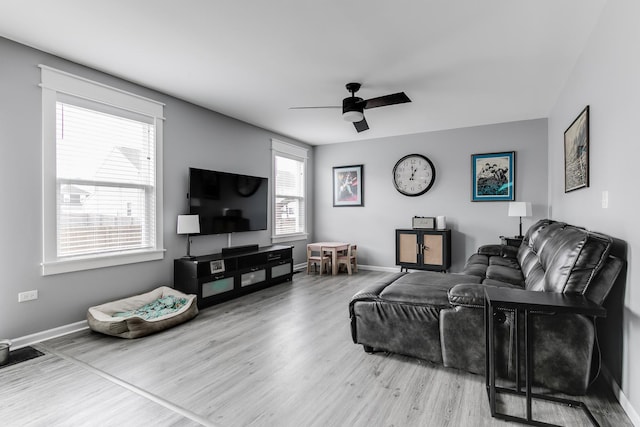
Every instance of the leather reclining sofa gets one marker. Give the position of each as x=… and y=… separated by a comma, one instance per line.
x=440, y=317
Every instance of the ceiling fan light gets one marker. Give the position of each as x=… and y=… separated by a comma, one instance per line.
x=353, y=116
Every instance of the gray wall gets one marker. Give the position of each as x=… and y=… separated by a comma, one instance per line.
x=607, y=79
x=192, y=137
x=473, y=223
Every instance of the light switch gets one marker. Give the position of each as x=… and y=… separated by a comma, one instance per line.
x=605, y=199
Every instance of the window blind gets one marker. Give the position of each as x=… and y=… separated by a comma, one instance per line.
x=105, y=177
x=289, y=196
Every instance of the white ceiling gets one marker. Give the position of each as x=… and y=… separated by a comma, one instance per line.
x=462, y=62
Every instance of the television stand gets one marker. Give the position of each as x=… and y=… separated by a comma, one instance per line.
x=233, y=272
x=239, y=249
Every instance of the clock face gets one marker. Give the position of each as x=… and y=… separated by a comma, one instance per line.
x=414, y=175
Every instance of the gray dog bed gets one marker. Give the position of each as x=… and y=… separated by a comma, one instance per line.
x=143, y=314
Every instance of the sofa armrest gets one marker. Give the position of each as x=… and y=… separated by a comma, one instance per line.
x=369, y=293
x=491, y=250
x=601, y=285
x=472, y=294
x=504, y=251
x=372, y=291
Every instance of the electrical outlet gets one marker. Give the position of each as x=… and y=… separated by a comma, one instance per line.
x=28, y=295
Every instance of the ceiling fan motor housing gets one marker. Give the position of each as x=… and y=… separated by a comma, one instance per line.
x=352, y=109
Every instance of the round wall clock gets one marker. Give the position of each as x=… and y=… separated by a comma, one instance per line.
x=413, y=175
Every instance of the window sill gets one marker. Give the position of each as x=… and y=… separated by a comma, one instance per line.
x=289, y=238
x=89, y=263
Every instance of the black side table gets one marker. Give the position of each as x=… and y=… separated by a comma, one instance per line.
x=511, y=241
x=530, y=303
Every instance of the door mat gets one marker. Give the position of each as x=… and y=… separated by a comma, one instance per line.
x=21, y=355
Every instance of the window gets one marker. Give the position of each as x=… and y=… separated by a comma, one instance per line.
x=289, y=177
x=102, y=182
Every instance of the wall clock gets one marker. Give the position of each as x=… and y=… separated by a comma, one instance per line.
x=413, y=175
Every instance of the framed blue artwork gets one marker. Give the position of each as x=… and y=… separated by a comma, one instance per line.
x=493, y=177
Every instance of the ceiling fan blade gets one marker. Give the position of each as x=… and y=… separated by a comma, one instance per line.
x=381, y=101
x=313, y=108
x=361, y=126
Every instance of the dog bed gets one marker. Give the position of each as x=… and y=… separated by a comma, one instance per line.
x=143, y=314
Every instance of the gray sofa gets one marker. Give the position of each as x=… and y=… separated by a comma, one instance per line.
x=440, y=317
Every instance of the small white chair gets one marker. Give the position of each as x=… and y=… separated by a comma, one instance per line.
x=349, y=258
x=322, y=258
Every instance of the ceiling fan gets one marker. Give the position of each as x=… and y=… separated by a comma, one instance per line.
x=353, y=107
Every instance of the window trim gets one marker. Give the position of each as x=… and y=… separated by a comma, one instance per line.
x=53, y=83
x=295, y=152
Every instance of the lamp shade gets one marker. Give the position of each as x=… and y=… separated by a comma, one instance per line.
x=519, y=209
x=188, y=224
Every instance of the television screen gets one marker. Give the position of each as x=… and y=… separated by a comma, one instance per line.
x=228, y=202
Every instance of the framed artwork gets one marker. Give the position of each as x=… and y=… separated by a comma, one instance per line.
x=493, y=177
x=348, y=185
x=576, y=153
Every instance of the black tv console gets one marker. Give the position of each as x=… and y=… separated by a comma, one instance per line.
x=234, y=272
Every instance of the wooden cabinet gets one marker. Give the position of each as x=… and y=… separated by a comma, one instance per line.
x=218, y=277
x=423, y=249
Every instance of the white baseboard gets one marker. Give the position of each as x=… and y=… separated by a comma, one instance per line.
x=379, y=268
x=621, y=397
x=48, y=334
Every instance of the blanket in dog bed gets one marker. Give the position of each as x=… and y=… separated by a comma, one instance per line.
x=143, y=314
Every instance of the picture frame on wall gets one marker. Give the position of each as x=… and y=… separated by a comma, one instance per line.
x=576, y=153
x=348, y=185
x=493, y=177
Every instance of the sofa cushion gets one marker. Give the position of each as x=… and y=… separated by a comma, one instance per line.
x=476, y=265
x=426, y=287
x=505, y=274
x=557, y=257
x=505, y=262
x=472, y=294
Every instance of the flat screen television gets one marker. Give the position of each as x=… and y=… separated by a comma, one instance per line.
x=228, y=202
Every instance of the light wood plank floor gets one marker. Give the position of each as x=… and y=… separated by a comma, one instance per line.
x=278, y=357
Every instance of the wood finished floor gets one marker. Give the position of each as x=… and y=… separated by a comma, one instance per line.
x=278, y=357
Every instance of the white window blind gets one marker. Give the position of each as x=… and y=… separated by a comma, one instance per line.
x=102, y=175
x=105, y=182
x=289, y=169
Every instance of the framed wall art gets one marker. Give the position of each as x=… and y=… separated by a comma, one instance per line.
x=493, y=177
x=348, y=185
x=576, y=153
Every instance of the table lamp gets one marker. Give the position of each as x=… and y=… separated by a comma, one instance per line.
x=188, y=224
x=520, y=209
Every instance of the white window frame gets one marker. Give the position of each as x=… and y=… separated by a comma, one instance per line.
x=56, y=84
x=295, y=152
